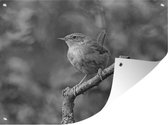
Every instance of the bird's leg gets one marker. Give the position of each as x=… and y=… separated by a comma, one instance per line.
x=82, y=79
x=100, y=73
x=79, y=84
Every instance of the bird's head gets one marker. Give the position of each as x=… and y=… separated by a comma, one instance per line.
x=75, y=39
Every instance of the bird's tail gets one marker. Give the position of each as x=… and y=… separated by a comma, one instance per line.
x=101, y=37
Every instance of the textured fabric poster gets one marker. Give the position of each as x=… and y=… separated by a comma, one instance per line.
x=60, y=60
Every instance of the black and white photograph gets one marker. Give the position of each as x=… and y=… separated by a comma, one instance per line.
x=58, y=58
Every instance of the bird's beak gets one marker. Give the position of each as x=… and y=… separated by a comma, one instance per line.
x=62, y=39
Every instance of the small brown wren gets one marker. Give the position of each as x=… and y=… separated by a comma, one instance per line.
x=87, y=55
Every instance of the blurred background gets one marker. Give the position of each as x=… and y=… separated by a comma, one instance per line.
x=33, y=65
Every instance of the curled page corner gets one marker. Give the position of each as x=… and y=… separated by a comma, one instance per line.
x=127, y=73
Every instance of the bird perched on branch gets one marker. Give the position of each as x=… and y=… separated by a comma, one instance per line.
x=87, y=55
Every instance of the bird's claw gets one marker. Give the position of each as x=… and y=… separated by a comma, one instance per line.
x=100, y=74
x=74, y=91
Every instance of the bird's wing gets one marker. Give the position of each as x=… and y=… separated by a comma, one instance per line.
x=95, y=48
x=96, y=55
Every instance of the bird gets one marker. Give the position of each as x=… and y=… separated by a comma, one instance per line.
x=86, y=54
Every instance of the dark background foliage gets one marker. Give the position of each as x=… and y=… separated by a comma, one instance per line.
x=33, y=64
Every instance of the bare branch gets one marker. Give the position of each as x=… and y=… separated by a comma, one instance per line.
x=69, y=96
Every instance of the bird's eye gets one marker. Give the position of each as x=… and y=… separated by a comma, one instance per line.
x=74, y=37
